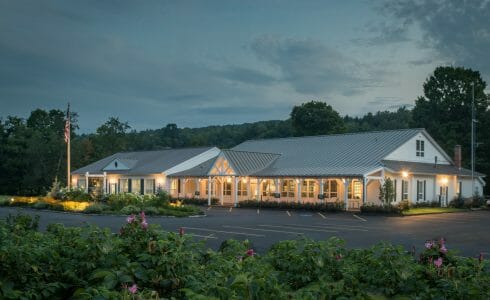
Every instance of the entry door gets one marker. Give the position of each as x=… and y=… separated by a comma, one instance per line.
x=112, y=188
x=443, y=191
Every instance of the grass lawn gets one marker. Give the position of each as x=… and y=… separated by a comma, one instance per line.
x=431, y=210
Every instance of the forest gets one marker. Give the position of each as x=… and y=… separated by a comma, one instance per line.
x=33, y=150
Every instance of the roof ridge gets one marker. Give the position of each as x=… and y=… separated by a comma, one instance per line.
x=336, y=134
x=250, y=151
x=181, y=148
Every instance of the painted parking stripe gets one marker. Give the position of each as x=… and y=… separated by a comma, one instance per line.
x=329, y=226
x=231, y=208
x=362, y=219
x=287, y=211
x=221, y=231
x=268, y=230
x=258, y=211
x=298, y=228
x=210, y=236
x=209, y=207
x=321, y=215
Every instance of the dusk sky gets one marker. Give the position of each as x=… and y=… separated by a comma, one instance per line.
x=198, y=63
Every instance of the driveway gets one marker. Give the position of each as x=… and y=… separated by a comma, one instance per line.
x=467, y=232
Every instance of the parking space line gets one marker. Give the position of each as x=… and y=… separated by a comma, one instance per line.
x=209, y=207
x=258, y=211
x=321, y=215
x=329, y=226
x=362, y=219
x=231, y=208
x=221, y=231
x=258, y=229
x=306, y=229
x=210, y=236
x=287, y=211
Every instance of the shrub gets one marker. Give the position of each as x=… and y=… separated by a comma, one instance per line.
x=76, y=194
x=426, y=204
x=199, y=201
x=118, y=201
x=4, y=201
x=381, y=209
x=56, y=206
x=96, y=208
x=130, y=209
x=457, y=202
x=55, y=191
x=40, y=205
x=327, y=206
x=404, y=205
x=150, y=210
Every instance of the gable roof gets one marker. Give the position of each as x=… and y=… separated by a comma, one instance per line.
x=145, y=162
x=424, y=168
x=242, y=162
x=351, y=154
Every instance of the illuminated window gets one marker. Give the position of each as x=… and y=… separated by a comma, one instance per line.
x=308, y=188
x=242, y=188
x=81, y=184
x=124, y=186
x=268, y=187
x=357, y=189
x=174, y=186
x=227, y=188
x=287, y=188
x=404, y=190
x=149, y=186
x=330, y=189
x=420, y=148
x=421, y=190
x=136, y=186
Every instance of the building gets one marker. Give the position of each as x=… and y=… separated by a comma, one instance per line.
x=347, y=168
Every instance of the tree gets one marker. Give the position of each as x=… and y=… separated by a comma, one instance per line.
x=387, y=191
x=445, y=108
x=314, y=118
x=111, y=137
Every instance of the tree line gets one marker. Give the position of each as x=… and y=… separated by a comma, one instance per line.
x=33, y=152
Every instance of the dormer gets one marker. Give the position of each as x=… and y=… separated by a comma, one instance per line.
x=119, y=164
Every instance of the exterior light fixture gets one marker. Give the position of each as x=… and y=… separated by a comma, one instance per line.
x=228, y=179
x=444, y=180
x=404, y=174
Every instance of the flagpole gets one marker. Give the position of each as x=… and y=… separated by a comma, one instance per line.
x=68, y=152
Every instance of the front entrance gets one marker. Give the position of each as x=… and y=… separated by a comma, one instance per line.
x=95, y=185
x=443, y=196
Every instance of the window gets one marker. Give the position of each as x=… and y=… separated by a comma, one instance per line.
x=124, y=186
x=404, y=190
x=135, y=186
x=174, y=186
x=420, y=148
x=287, y=188
x=330, y=189
x=81, y=183
x=206, y=186
x=149, y=186
x=357, y=189
x=242, y=188
x=227, y=188
x=308, y=189
x=421, y=190
x=268, y=187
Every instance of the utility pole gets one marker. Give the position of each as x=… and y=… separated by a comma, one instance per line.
x=473, y=129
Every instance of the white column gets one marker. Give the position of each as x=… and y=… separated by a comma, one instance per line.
x=298, y=183
x=105, y=183
x=86, y=182
x=364, y=190
x=235, y=190
x=221, y=189
x=249, y=190
x=209, y=191
x=346, y=192
x=321, y=190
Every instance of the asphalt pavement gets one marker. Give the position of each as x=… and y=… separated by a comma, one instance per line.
x=469, y=232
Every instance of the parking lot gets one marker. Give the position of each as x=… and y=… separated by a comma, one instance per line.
x=467, y=232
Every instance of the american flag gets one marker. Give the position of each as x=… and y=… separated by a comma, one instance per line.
x=67, y=125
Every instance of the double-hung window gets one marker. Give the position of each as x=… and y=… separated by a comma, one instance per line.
x=308, y=189
x=227, y=188
x=242, y=188
x=287, y=188
x=404, y=190
x=420, y=148
x=421, y=184
x=149, y=186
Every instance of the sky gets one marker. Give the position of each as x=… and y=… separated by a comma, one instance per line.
x=199, y=63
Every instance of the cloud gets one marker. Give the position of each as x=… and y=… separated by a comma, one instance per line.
x=246, y=75
x=458, y=30
x=311, y=67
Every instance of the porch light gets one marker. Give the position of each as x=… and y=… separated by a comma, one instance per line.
x=244, y=180
x=444, y=180
x=404, y=174
x=112, y=180
x=73, y=180
x=228, y=179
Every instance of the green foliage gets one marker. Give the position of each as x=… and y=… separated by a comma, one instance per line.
x=200, y=201
x=315, y=118
x=88, y=262
x=404, y=205
x=382, y=209
x=130, y=209
x=96, y=208
x=326, y=206
x=427, y=204
x=387, y=191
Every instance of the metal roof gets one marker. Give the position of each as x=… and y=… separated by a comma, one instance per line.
x=145, y=162
x=243, y=163
x=423, y=168
x=351, y=154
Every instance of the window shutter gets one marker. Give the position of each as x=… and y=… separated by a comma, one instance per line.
x=142, y=186
x=425, y=185
x=130, y=183
x=418, y=190
x=118, y=186
x=154, y=191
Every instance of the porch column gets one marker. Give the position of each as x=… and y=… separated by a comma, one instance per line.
x=249, y=188
x=105, y=183
x=182, y=182
x=209, y=191
x=86, y=182
x=276, y=185
x=221, y=190
x=320, y=192
x=235, y=190
x=346, y=192
x=298, y=183
x=364, y=190
x=198, y=187
x=259, y=181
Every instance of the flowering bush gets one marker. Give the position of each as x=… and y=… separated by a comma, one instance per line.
x=144, y=262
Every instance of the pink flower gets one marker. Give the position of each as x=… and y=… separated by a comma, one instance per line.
x=442, y=241
x=429, y=244
x=480, y=258
x=438, y=262
x=130, y=219
x=142, y=215
x=443, y=249
x=181, y=231
x=250, y=252
x=338, y=256
x=133, y=289
x=144, y=225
